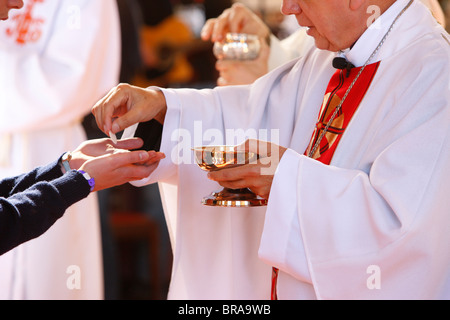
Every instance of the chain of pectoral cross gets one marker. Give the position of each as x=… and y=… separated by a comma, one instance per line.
x=339, y=106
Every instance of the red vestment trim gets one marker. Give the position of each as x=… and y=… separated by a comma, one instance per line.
x=337, y=87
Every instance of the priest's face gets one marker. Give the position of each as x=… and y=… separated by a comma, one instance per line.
x=334, y=24
x=6, y=5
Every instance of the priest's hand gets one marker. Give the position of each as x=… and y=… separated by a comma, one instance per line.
x=126, y=105
x=114, y=164
x=256, y=176
x=238, y=19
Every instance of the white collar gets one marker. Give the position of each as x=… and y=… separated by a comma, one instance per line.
x=370, y=39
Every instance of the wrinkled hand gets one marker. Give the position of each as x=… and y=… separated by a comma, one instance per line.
x=126, y=105
x=239, y=19
x=112, y=165
x=257, y=176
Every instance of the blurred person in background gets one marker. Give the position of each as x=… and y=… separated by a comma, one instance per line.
x=445, y=4
x=164, y=38
x=248, y=16
x=57, y=58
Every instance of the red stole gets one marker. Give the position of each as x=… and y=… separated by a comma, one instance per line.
x=337, y=87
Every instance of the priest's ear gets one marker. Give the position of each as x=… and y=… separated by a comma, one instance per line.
x=356, y=5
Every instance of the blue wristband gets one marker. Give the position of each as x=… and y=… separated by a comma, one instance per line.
x=90, y=180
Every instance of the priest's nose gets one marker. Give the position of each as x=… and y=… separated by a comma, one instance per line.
x=290, y=7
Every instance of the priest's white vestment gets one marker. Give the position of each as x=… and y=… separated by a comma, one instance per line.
x=374, y=224
x=56, y=59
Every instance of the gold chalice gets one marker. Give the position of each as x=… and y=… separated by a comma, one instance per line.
x=212, y=158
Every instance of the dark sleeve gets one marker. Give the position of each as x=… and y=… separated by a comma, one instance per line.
x=12, y=185
x=30, y=211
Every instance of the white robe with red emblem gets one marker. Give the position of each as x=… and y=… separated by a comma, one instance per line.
x=57, y=58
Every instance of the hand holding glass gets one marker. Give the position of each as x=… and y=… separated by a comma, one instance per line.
x=237, y=46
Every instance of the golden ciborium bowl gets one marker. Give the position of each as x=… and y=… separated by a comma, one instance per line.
x=212, y=158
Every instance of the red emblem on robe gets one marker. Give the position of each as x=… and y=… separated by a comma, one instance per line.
x=26, y=27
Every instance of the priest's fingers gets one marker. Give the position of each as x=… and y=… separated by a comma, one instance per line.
x=207, y=29
x=127, y=105
x=233, y=19
x=242, y=19
x=148, y=108
x=264, y=149
x=263, y=191
x=248, y=176
x=251, y=171
x=238, y=184
x=239, y=18
x=115, y=102
x=220, y=26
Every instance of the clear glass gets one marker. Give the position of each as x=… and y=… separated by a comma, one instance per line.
x=238, y=46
